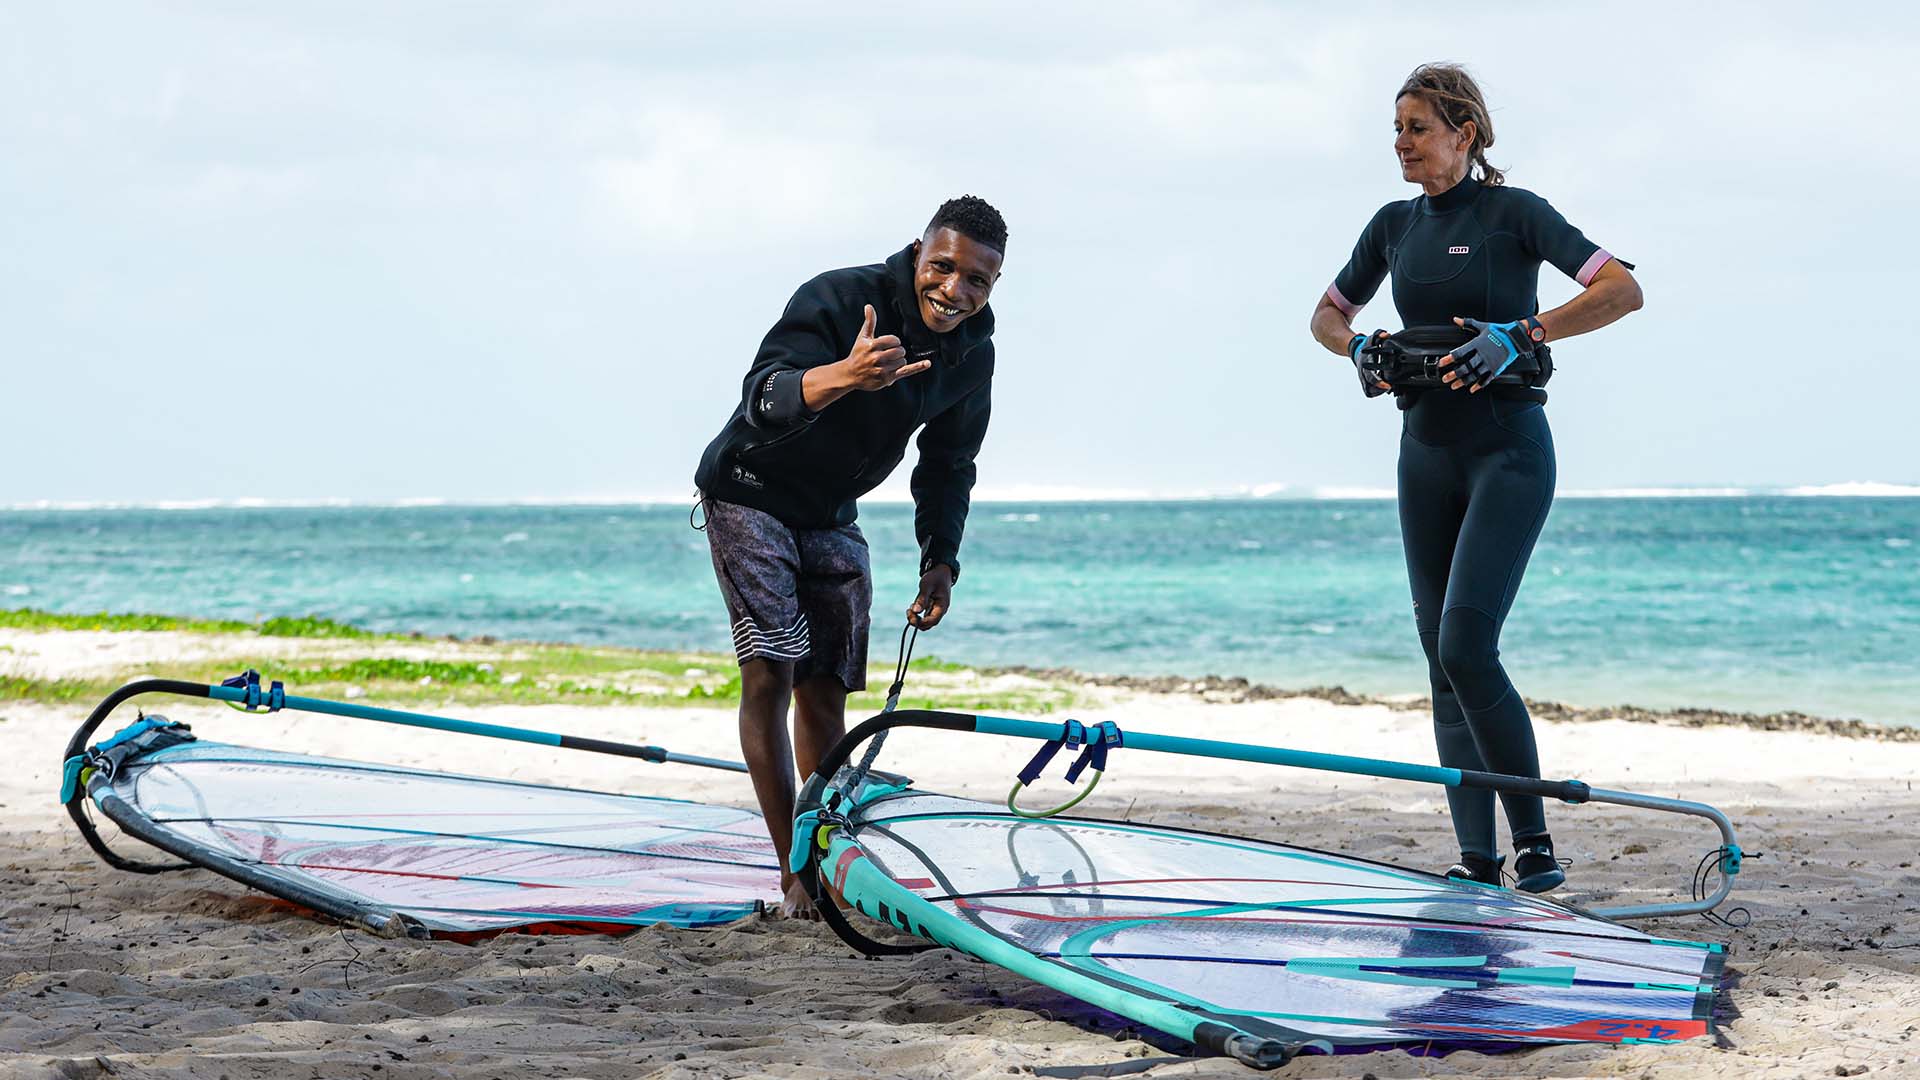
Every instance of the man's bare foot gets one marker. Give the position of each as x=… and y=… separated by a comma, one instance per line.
x=797, y=904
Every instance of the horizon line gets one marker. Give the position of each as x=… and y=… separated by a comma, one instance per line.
x=1013, y=496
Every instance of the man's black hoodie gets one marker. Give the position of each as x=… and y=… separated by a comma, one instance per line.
x=808, y=469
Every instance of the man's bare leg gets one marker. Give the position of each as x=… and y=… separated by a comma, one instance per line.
x=765, y=688
x=819, y=720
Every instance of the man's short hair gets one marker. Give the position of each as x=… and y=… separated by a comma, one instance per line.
x=974, y=218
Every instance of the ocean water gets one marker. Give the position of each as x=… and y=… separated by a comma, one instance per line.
x=1756, y=603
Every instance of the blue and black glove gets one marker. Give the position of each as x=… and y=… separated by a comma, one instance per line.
x=1369, y=380
x=1494, y=348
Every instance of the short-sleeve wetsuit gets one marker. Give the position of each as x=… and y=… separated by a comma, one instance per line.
x=1476, y=471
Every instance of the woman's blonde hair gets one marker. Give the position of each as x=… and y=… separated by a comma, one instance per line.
x=1457, y=98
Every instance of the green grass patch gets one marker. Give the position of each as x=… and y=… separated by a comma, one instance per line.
x=310, y=626
x=313, y=626
x=587, y=662
x=485, y=673
x=375, y=670
x=34, y=619
x=54, y=691
x=700, y=693
x=429, y=685
x=934, y=663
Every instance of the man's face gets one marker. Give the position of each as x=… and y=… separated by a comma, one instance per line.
x=952, y=277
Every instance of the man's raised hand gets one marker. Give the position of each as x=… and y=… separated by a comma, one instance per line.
x=875, y=363
x=878, y=362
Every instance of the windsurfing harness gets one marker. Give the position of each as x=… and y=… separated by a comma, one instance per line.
x=1410, y=359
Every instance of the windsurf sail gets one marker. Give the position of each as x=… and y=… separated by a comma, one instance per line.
x=1248, y=948
x=413, y=852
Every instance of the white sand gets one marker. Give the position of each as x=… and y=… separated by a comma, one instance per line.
x=110, y=974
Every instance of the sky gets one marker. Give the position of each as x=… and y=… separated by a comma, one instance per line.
x=477, y=252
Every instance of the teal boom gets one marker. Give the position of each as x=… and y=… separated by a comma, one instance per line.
x=250, y=696
x=1571, y=791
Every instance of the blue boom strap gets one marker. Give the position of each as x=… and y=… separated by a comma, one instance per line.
x=1096, y=741
x=248, y=683
x=1072, y=734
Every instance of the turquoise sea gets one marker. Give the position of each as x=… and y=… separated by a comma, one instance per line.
x=1754, y=603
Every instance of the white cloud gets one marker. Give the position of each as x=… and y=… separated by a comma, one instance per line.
x=703, y=178
x=1244, y=98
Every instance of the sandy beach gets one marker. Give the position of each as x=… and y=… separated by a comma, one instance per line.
x=104, y=973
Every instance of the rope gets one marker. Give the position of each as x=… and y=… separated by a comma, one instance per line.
x=909, y=636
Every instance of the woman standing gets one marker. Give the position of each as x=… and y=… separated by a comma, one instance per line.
x=1476, y=467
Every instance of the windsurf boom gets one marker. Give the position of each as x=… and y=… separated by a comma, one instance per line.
x=412, y=852
x=1247, y=948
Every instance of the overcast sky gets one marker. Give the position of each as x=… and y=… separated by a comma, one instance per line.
x=492, y=251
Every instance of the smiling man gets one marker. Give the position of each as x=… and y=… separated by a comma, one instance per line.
x=860, y=359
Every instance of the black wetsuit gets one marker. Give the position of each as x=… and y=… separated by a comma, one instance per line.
x=1476, y=470
x=809, y=469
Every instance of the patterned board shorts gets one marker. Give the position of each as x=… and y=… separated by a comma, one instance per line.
x=803, y=595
